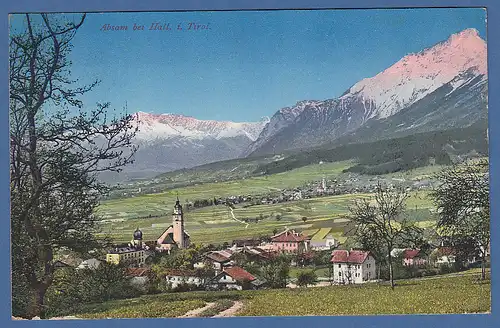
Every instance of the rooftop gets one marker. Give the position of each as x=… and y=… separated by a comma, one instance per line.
x=122, y=250
x=344, y=256
x=218, y=257
x=289, y=236
x=239, y=274
x=411, y=253
x=137, y=272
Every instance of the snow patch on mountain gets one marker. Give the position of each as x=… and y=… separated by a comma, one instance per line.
x=417, y=75
x=166, y=126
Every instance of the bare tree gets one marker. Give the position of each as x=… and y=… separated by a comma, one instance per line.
x=463, y=206
x=384, y=218
x=57, y=150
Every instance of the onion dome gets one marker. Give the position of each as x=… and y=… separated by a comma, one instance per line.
x=137, y=234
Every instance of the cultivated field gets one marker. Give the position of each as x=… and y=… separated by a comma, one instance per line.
x=215, y=224
x=436, y=295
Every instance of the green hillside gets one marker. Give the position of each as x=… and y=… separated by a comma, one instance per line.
x=417, y=296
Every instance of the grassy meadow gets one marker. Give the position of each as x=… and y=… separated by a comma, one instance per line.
x=462, y=293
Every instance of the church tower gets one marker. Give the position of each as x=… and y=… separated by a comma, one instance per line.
x=178, y=223
x=137, y=241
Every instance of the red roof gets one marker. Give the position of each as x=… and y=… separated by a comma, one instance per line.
x=446, y=251
x=411, y=253
x=217, y=257
x=343, y=256
x=289, y=236
x=239, y=274
x=137, y=272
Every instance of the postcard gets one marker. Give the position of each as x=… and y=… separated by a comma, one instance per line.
x=208, y=164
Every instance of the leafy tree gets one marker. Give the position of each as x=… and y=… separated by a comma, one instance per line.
x=278, y=217
x=71, y=288
x=305, y=278
x=276, y=272
x=463, y=206
x=304, y=218
x=384, y=218
x=275, y=231
x=57, y=151
x=372, y=241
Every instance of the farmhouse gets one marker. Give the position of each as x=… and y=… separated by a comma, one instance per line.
x=246, y=242
x=89, y=264
x=233, y=278
x=410, y=257
x=175, y=236
x=413, y=257
x=445, y=255
x=178, y=277
x=138, y=277
x=328, y=243
x=353, y=267
x=290, y=241
x=259, y=254
x=219, y=259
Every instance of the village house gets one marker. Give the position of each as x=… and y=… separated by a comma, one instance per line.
x=139, y=277
x=290, y=241
x=259, y=254
x=413, y=257
x=89, y=264
x=246, y=242
x=445, y=255
x=410, y=257
x=218, y=259
x=234, y=278
x=175, y=236
x=178, y=277
x=328, y=243
x=353, y=267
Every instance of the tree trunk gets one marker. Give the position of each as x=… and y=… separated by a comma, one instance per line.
x=391, y=277
x=37, y=306
x=483, y=268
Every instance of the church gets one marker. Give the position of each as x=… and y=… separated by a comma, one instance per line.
x=175, y=236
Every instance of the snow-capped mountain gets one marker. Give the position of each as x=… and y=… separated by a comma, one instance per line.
x=169, y=142
x=165, y=126
x=449, y=65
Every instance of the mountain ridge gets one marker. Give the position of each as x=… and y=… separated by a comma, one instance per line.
x=403, y=84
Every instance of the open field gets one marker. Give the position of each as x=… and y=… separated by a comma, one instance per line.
x=144, y=205
x=436, y=295
x=214, y=224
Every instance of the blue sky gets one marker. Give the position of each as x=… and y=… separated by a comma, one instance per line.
x=249, y=64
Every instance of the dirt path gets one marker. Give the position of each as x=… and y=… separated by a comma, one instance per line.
x=194, y=313
x=231, y=311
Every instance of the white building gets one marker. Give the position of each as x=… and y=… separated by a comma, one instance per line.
x=445, y=256
x=324, y=244
x=232, y=278
x=179, y=277
x=89, y=264
x=353, y=267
